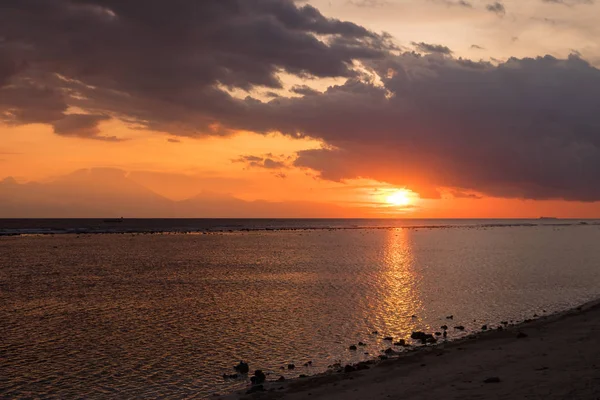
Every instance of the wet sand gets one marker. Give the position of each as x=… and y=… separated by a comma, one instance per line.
x=558, y=359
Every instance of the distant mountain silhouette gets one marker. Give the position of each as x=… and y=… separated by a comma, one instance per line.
x=108, y=192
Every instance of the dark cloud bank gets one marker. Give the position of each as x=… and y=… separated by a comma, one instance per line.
x=524, y=128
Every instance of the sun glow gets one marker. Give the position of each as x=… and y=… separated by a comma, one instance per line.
x=400, y=198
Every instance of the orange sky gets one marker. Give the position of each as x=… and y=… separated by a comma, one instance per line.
x=193, y=166
x=181, y=167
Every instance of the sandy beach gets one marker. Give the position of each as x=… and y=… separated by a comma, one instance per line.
x=554, y=357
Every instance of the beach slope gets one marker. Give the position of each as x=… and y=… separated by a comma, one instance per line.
x=556, y=357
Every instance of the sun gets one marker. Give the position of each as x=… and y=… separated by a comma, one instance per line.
x=399, y=198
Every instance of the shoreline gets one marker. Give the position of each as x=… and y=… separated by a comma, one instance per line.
x=555, y=358
x=51, y=231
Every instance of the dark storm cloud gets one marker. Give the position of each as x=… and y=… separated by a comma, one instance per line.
x=161, y=63
x=81, y=125
x=496, y=8
x=525, y=128
x=431, y=48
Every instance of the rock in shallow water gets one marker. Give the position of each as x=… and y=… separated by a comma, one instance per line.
x=242, y=368
x=259, y=377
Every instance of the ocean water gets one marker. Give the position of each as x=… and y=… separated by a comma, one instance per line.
x=150, y=315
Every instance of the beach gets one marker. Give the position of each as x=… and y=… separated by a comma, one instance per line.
x=555, y=357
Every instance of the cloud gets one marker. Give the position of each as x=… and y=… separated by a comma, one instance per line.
x=431, y=48
x=477, y=47
x=524, y=128
x=569, y=3
x=82, y=125
x=368, y=3
x=304, y=90
x=458, y=3
x=496, y=8
x=173, y=140
x=165, y=65
x=267, y=161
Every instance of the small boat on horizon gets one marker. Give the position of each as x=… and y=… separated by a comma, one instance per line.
x=113, y=220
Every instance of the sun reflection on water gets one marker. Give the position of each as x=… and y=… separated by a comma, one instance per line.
x=400, y=303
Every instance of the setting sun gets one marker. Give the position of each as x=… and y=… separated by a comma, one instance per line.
x=400, y=198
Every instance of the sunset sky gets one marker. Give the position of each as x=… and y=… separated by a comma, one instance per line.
x=354, y=108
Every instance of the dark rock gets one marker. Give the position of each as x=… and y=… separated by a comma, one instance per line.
x=400, y=342
x=255, y=389
x=431, y=340
x=450, y=317
x=484, y=328
x=362, y=344
x=232, y=376
x=306, y=364
x=352, y=347
x=413, y=316
x=349, y=368
x=291, y=366
x=389, y=351
x=493, y=379
x=522, y=335
x=459, y=327
x=500, y=328
x=382, y=357
x=281, y=378
x=535, y=315
x=303, y=376
x=445, y=334
x=504, y=322
x=444, y=327
x=258, y=378
x=438, y=334
x=242, y=368
x=388, y=338
x=309, y=362
x=374, y=333
x=422, y=336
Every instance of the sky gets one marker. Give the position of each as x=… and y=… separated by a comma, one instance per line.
x=281, y=108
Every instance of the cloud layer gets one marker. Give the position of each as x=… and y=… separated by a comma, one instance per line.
x=162, y=63
x=525, y=128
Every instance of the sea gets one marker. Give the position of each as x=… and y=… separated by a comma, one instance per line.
x=158, y=308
